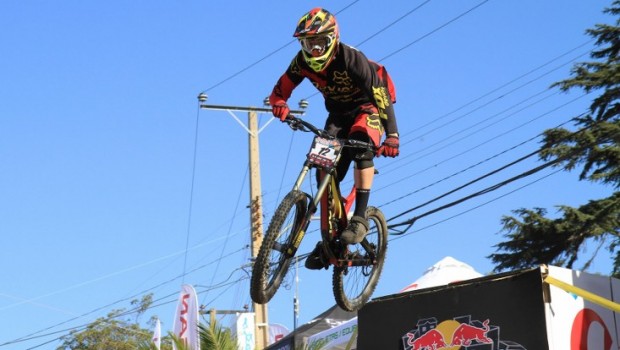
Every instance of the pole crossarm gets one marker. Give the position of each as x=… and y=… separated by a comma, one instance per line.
x=246, y=109
x=231, y=109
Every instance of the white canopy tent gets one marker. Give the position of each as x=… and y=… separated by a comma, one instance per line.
x=445, y=271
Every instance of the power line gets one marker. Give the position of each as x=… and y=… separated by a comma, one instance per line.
x=122, y=314
x=243, y=181
x=434, y=30
x=255, y=63
x=415, y=41
x=404, y=233
x=497, y=136
x=489, y=189
x=393, y=23
x=191, y=191
x=472, y=133
x=452, y=175
x=32, y=335
x=434, y=120
x=494, y=187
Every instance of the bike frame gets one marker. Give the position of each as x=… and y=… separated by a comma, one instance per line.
x=333, y=218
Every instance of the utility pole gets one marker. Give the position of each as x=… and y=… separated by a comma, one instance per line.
x=256, y=212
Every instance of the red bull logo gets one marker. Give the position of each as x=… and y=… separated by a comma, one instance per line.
x=466, y=334
x=458, y=333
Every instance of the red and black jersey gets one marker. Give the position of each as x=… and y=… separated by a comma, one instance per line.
x=348, y=82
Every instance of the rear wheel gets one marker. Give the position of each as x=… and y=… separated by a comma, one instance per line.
x=354, y=283
x=273, y=260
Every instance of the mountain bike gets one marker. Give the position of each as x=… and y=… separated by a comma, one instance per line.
x=356, y=267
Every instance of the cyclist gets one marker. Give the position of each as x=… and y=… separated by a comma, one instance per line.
x=359, y=97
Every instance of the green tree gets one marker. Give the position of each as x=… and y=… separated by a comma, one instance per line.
x=115, y=331
x=120, y=332
x=109, y=332
x=214, y=337
x=594, y=148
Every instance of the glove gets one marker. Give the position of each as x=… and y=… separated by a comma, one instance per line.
x=389, y=148
x=280, y=110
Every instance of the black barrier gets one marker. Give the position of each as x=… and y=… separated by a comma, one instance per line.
x=500, y=312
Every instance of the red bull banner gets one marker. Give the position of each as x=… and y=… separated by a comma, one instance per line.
x=501, y=312
x=546, y=308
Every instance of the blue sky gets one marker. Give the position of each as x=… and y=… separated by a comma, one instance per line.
x=110, y=169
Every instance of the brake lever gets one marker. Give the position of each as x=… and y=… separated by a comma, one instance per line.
x=294, y=124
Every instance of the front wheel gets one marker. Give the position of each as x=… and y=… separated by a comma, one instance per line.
x=274, y=259
x=356, y=280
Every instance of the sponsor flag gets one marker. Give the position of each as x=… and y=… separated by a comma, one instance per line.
x=277, y=332
x=157, y=335
x=186, y=318
x=245, y=331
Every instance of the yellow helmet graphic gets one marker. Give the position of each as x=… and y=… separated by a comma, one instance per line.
x=318, y=35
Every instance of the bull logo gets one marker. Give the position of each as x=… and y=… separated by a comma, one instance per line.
x=458, y=333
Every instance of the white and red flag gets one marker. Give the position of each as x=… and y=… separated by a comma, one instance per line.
x=186, y=318
x=157, y=335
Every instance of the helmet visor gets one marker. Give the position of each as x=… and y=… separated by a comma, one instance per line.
x=317, y=45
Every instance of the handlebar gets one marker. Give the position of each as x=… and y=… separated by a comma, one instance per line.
x=299, y=124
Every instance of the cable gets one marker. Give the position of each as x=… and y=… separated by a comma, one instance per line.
x=251, y=65
x=217, y=266
x=286, y=161
x=491, y=139
x=447, y=138
x=497, y=99
x=411, y=221
x=404, y=234
x=191, y=191
x=434, y=30
x=504, y=167
x=413, y=42
x=434, y=120
x=125, y=299
x=393, y=23
x=489, y=189
x=124, y=313
x=458, y=172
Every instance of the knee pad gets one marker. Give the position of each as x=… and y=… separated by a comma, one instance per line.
x=363, y=158
x=364, y=163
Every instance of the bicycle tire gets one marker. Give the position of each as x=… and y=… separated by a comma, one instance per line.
x=353, y=285
x=272, y=261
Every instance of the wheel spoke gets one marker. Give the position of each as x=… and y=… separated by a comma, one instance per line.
x=355, y=281
x=273, y=259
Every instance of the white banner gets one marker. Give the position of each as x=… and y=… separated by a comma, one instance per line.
x=245, y=331
x=277, y=332
x=157, y=335
x=334, y=338
x=186, y=318
x=574, y=322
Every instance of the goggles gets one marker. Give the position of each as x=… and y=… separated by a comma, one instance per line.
x=316, y=45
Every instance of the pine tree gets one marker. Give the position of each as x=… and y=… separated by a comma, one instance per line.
x=594, y=148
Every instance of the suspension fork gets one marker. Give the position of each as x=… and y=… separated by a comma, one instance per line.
x=312, y=206
x=324, y=182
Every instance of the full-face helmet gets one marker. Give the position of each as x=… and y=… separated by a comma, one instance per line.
x=318, y=35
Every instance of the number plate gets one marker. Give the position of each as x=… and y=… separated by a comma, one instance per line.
x=324, y=152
